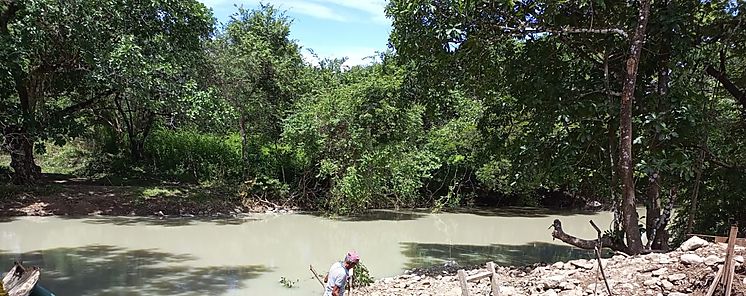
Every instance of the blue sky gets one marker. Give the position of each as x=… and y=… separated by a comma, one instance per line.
x=332, y=28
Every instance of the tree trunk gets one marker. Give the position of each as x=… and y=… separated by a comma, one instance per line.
x=21, y=148
x=244, y=144
x=629, y=212
x=695, y=195
x=611, y=130
x=652, y=206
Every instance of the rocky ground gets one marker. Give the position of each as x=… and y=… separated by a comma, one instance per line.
x=688, y=270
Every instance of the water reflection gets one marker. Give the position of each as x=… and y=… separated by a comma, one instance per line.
x=424, y=254
x=108, y=270
x=248, y=256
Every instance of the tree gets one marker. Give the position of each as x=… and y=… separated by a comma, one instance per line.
x=255, y=64
x=58, y=53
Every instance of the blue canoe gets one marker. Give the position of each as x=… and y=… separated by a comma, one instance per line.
x=40, y=291
x=20, y=281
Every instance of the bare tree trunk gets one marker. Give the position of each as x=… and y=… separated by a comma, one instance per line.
x=244, y=144
x=629, y=212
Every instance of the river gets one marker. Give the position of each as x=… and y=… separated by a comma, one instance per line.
x=249, y=255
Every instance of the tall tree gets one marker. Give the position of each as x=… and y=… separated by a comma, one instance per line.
x=57, y=53
x=256, y=66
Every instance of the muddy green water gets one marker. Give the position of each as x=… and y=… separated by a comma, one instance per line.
x=248, y=256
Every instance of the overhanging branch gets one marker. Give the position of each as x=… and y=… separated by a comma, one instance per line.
x=529, y=30
x=734, y=91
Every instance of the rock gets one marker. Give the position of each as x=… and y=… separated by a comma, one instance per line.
x=558, y=265
x=739, y=259
x=691, y=259
x=664, y=260
x=550, y=293
x=505, y=290
x=651, y=282
x=660, y=272
x=566, y=286
x=712, y=260
x=570, y=293
x=677, y=294
x=666, y=285
x=693, y=243
x=676, y=277
x=553, y=282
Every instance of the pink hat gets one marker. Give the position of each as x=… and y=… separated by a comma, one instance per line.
x=352, y=256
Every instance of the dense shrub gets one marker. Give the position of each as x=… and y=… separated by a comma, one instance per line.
x=191, y=155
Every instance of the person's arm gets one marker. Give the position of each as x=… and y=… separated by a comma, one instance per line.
x=335, y=291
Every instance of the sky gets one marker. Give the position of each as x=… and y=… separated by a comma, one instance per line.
x=354, y=29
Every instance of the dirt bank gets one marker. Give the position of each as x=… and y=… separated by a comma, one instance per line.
x=67, y=196
x=687, y=271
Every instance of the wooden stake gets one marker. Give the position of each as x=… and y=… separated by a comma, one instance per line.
x=729, y=264
x=729, y=280
x=715, y=281
x=493, y=280
x=464, y=284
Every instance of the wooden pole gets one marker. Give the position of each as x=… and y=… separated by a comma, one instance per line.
x=316, y=276
x=464, y=284
x=729, y=264
x=715, y=281
x=597, y=250
x=493, y=279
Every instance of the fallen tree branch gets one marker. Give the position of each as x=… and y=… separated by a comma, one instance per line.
x=606, y=241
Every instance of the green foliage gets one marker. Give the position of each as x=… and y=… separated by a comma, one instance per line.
x=191, y=155
x=366, y=141
x=288, y=283
x=362, y=276
x=71, y=158
x=159, y=192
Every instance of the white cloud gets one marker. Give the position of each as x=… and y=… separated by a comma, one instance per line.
x=355, y=56
x=313, y=9
x=374, y=8
x=323, y=9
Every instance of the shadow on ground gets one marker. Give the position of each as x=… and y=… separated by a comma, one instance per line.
x=108, y=270
x=426, y=255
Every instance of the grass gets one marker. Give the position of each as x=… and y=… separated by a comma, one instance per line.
x=154, y=192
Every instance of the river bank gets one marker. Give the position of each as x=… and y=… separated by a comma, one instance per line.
x=62, y=195
x=688, y=270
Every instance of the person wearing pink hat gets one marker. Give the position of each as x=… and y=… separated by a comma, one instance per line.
x=338, y=274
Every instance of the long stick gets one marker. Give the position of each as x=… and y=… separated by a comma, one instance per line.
x=316, y=275
x=597, y=250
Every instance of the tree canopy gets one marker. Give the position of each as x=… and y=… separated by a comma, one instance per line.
x=495, y=102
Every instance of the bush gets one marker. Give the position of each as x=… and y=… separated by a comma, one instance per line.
x=191, y=155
